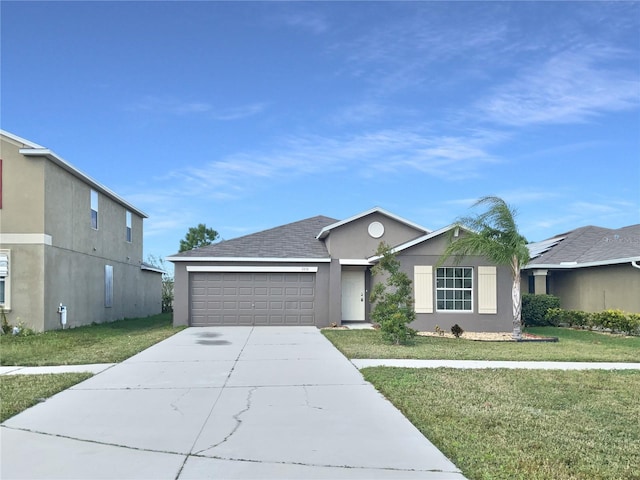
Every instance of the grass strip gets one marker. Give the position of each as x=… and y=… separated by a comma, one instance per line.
x=19, y=392
x=505, y=424
x=101, y=343
x=573, y=346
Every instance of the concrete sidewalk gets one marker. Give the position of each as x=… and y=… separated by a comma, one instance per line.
x=228, y=402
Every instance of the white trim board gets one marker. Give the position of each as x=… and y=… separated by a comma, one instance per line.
x=355, y=261
x=25, y=238
x=249, y=268
x=248, y=259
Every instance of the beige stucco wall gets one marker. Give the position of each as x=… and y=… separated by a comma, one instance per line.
x=40, y=197
x=22, y=191
x=597, y=288
x=27, y=286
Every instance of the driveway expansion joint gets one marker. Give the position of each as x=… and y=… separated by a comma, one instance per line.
x=94, y=442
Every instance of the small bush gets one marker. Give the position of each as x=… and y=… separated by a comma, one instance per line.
x=578, y=318
x=618, y=321
x=613, y=320
x=535, y=307
x=457, y=330
x=554, y=316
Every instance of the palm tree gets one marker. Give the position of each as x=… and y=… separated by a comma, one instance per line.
x=494, y=235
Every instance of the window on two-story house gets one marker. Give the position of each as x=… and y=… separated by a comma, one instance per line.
x=4, y=280
x=94, y=209
x=108, y=286
x=128, y=234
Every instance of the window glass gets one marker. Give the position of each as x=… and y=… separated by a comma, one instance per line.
x=94, y=209
x=108, y=285
x=454, y=289
x=128, y=228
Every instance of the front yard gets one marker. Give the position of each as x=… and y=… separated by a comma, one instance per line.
x=573, y=346
x=523, y=424
x=517, y=424
x=102, y=343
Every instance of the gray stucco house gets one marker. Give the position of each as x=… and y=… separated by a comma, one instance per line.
x=590, y=268
x=317, y=271
x=67, y=239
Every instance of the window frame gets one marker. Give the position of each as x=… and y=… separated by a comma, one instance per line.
x=94, y=209
x=454, y=288
x=128, y=227
x=6, y=282
x=108, y=286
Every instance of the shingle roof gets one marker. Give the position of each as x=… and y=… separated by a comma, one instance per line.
x=294, y=240
x=587, y=245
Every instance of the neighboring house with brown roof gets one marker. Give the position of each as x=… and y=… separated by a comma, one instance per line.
x=67, y=239
x=317, y=271
x=589, y=268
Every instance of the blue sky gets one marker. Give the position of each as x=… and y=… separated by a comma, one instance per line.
x=246, y=116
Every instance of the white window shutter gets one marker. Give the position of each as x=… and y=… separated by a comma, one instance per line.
x=423, y=285
x=487, y=290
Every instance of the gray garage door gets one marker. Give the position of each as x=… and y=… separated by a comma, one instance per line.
x=222, y=298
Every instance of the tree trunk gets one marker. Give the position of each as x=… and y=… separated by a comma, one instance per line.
x=517, y=306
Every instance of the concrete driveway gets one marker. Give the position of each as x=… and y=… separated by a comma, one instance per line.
x=226, y=402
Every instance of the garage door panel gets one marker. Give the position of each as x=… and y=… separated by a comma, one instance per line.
x=307, y=320
x=250, y=298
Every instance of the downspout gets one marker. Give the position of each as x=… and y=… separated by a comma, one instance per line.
x=635, y=264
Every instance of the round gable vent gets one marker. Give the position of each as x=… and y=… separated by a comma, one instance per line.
x=376, y=229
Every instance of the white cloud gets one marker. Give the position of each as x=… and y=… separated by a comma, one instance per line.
x=173, y=106
x=568, y=88
x=168, y=105
x=366, y=154
x=310, y=21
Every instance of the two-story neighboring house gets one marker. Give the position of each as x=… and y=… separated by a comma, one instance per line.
x=66, y=239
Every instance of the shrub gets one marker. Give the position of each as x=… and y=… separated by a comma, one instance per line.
x=618, y=321
x=457, y=330
x=535, y=307
x=392, y=298
x=554, y=316
x=578, y=318
x=613, y=320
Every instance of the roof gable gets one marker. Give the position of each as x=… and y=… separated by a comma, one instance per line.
x=419, y=240
x=327, y=229
x=295, y=240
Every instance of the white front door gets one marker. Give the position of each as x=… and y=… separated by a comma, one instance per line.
x=353, y=300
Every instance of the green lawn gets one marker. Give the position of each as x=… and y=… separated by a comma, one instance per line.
x=573, y=345
x=519, y=424
x=19, y=392
x=102, y=343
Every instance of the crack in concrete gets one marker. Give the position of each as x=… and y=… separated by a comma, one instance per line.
x=174, y=405
x=238, y=420
x=321, y=465
x=307, y=401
